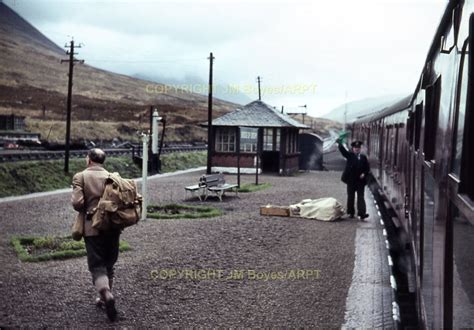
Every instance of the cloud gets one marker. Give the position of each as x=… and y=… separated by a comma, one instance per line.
x=360, y=48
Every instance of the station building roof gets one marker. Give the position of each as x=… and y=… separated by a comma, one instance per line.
x=257, y=114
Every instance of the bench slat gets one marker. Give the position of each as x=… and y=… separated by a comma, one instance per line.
x=214, y=183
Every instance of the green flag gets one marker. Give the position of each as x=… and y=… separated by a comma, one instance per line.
x=343, y=136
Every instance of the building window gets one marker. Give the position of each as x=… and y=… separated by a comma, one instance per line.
x=225, y=139
x=268, y=139
x=277, y=139
x=248, y=139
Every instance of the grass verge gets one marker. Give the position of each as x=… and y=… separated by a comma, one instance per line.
x=26, y=177
x=252, y=187
x=35, y=249
x=178, y=211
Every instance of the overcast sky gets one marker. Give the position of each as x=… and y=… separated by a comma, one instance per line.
x=315, y=52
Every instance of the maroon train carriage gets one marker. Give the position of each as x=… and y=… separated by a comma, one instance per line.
x=422, y=155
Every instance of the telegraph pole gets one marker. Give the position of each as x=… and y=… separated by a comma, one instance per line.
x=259, y=91
x=209, y=116
x=71, y=62
x=305, y=109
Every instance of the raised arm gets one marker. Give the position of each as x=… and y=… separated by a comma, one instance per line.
x=343, y=150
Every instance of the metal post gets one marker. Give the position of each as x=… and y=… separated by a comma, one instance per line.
x=259, y=91
x=155, y=167
x=238, y=155
x=154, y=132
x=144, y=176
x=209, y=117
x=258, y=156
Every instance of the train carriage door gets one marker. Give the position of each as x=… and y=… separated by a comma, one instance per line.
x=381, y=144
x=460, y=226
x=416, y=182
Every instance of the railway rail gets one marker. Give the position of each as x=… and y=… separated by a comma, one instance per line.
x=28, y=155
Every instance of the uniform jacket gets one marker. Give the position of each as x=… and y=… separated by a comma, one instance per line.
x=87, y=188
x=354, y=168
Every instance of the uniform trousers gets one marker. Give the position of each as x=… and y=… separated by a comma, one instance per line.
x=351, y=192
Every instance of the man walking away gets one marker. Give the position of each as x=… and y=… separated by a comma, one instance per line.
x=355, y=176
x=102, y=247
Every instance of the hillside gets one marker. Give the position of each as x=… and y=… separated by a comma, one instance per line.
x=320, y=126
x=361, y=107
x=33, y=83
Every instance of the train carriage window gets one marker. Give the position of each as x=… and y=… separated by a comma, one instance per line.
x=460, y=114
x=395, y=147
x=368, y=140
x=467, y=161
x=410, y=128
x=418, y=120
x=431, y=118
x=387, y=144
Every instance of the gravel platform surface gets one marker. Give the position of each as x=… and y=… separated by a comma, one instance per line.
x=60, y=294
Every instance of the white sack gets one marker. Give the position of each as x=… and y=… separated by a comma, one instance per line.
x=324, y=209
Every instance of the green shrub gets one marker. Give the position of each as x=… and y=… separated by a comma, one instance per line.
x=26, y=177
x=177, y=211
x=31, y=249
x=182, y=161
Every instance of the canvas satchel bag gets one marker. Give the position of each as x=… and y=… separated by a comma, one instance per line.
x=119, y=206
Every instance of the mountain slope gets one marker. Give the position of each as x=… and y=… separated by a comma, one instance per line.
x=361, y=107
x=33, y=83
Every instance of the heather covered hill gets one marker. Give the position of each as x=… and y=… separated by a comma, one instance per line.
x=33, y=83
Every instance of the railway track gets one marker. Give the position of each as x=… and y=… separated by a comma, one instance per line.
x=28, y=155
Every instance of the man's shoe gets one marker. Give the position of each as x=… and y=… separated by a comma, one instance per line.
x=99, y=303
x=110, y=309
x=351, y=216
x=363, y=217
x=109, y=301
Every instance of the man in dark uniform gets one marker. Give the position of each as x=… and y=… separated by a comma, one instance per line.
x=355, y=176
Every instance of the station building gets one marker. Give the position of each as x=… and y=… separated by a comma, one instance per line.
x=255, y=137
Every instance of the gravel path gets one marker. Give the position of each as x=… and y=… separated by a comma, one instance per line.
x=60, y=294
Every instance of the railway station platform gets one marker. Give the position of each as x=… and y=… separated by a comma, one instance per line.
x=343, y=281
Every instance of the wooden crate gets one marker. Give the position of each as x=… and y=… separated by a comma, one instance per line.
x=274, y=210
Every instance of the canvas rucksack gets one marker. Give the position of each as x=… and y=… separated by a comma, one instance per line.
x=120, y=205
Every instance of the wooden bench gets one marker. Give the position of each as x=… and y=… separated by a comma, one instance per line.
x=213, y=183
x=216, y=184
x=199, y=190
